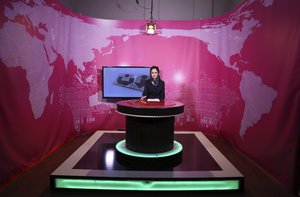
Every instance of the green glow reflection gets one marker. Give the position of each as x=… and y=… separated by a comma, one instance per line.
x=121, y=147
x=147, y=185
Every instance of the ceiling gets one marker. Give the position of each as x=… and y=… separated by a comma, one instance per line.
x=162, y=9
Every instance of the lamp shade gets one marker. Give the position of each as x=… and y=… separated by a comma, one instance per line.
x=150, y=28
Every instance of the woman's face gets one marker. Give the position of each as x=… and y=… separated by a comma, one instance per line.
x=154, y=73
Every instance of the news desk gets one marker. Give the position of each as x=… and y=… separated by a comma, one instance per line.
x=150, y=125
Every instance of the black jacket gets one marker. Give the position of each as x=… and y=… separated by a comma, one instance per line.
x=152, y=91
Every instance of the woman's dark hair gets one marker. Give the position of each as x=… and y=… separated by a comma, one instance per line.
x=154, y=67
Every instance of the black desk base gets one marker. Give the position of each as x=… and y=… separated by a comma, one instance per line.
x=149, y=135
x=154, y=161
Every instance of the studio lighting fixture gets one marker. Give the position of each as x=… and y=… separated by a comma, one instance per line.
x=151, y=26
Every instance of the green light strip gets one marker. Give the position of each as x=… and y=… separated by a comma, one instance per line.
x=146, y=185
x=121, y=147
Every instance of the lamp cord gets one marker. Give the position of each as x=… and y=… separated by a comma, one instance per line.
x=138, y=3
x=151, y=10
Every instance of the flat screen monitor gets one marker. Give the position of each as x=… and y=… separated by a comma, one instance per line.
x=124, y=82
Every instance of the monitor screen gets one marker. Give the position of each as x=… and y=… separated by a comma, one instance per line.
x=124, y=82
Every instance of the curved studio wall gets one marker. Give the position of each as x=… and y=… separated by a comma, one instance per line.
x=236, y=75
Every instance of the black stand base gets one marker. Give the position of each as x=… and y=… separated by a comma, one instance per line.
x=147, y=161
x=149, y=135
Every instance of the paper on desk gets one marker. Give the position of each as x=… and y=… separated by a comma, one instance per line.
x=153, y=100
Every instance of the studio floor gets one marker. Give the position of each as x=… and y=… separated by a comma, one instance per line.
x=35, y=181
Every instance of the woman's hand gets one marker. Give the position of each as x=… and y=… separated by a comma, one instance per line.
x=143, y=98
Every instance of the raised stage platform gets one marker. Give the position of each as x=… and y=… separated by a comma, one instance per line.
x=94, y=166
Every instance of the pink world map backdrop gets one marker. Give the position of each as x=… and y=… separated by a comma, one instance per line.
x=235, y=74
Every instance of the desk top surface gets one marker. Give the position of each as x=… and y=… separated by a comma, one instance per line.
x=150, y=109
x=137, y=103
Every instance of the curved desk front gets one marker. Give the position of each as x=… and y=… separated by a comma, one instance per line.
x=150, y=125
